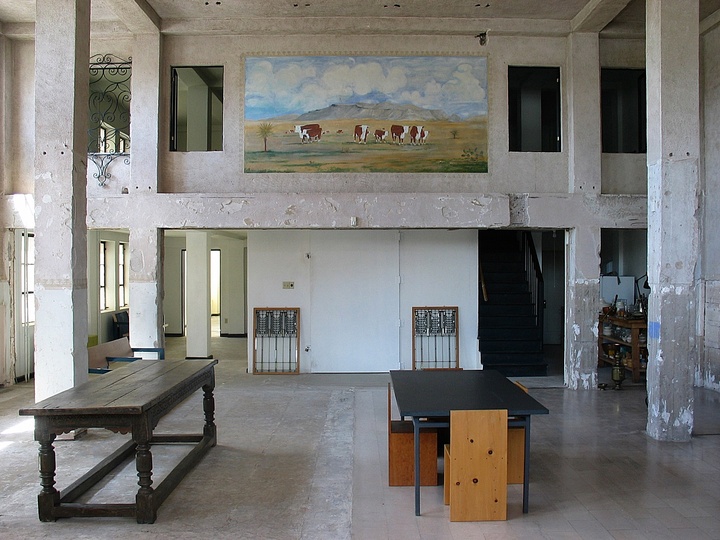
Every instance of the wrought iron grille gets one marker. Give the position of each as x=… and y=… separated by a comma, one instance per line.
x=277, y=340
x=109, y=103
x=435, y=337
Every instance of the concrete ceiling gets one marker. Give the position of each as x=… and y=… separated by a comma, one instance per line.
x=536, y=17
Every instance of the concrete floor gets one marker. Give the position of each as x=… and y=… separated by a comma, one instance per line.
x=305, y=456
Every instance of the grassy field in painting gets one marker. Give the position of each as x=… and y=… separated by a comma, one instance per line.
x=459, y=147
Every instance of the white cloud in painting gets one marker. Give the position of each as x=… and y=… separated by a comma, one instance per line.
x=277, y=86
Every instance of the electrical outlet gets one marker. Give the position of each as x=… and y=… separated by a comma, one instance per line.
x=288, y=284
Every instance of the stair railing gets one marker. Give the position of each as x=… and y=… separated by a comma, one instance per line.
x=482, y=281
x=534, y=276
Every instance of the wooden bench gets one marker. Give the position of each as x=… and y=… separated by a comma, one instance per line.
x=131, y=399
x=401, y=456
x=117, y=350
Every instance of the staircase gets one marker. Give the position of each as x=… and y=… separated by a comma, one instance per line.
x=510, y=329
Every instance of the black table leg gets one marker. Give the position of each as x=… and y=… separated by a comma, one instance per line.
x=416, y=441
x=526, y=476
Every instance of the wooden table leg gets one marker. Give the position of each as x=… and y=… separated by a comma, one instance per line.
x=209, y=430
x=49, y=497
x=146, y=509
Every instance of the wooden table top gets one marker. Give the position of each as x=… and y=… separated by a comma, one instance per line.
x=130, y=389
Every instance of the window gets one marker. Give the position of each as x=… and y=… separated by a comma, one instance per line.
x=534, y=109
x=122, y=268
x=103, y=276
x=196, y=109
x=27, y=278
x=624, y=118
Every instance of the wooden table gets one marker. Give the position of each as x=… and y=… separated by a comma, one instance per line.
x=131, y=399
x=429, y=396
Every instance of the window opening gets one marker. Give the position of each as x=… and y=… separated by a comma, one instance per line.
x=196, y=109
x=109, y=104
x=624, y=115
x=534, y=109
x=103, y=276
x=122, y=268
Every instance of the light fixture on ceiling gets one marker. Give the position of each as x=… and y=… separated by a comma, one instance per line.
x=482, y=38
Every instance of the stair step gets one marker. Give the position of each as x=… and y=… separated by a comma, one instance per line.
x=504, y=264
x=520, y=322
x=519, y=370
x=505, y=310
x=499, y=288
x=505, y=277
x=511, y=347
x=509, y=333
x=519, y=297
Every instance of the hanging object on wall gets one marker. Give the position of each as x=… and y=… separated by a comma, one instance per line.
x=435, y=338
x=109, y=105
x=276, y=340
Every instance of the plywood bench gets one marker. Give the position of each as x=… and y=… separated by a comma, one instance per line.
x=117, y=350
x=131, y=399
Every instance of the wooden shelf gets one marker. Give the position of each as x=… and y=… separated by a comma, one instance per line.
x=636, y=327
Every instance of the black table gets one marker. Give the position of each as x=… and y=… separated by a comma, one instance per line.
x=130, y=399
x=429, y=396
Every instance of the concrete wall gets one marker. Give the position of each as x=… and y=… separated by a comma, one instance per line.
x=709, y=317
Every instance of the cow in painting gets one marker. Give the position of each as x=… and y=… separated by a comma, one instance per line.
x=415, y=132
x=361, y=133
x=380, y=135
x=398, y=133
x=309, y=132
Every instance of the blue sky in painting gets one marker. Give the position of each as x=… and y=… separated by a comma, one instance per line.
x=295, y=85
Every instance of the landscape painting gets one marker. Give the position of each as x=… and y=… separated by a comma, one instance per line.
x=334, y=114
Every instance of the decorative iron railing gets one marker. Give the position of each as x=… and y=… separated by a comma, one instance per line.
x=109, y=103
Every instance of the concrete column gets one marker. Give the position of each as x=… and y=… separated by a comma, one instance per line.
x=582, y=295
x=197, y=294
x=582, y=298
x=145, y=113
x=5, y=63
x=673, y=80
x=62, y=53
x=584, y=144
x=145, y=276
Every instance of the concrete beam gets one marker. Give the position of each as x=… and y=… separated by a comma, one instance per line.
x=137, y=15
x=710, y=22
x=302, y=211
x=596, y=15
x=366, y=26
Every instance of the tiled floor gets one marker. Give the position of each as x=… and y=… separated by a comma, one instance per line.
x=306, y=457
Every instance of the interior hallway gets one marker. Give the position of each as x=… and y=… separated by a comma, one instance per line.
x=305, y=456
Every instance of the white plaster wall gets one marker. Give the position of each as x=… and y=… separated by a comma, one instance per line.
x=232, y=284
x=440, y=268
x=172, y=284
x=272, y=258
x=356, y=291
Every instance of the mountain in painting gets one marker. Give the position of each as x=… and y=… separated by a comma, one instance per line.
x=378, y=111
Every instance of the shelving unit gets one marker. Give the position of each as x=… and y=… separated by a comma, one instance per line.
x=625, y=332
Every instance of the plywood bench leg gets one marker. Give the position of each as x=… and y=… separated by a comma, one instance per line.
x=478, y=473
x=446, y=474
